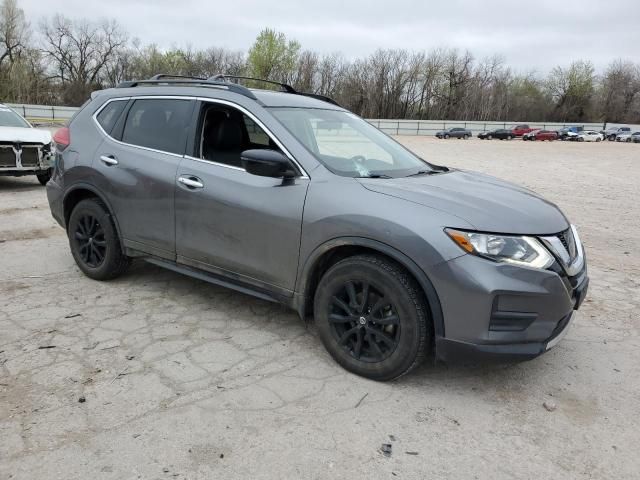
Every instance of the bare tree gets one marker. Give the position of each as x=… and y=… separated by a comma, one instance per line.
x=79, y=52
x=14, y=32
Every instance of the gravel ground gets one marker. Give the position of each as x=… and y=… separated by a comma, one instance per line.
x=156, y=375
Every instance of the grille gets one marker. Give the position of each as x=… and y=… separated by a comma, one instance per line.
x=7, y=157
x=568, y=242
x=30, y=156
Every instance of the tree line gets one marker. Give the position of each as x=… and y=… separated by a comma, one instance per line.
x=61, y=61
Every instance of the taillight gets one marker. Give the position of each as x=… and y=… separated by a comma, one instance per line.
x=62, y=138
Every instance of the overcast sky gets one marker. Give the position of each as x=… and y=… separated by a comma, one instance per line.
x=530, y=35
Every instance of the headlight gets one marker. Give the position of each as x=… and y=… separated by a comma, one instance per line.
x=519, y=250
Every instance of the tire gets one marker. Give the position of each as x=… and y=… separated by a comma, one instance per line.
x=598, y=140
x=466, y=137
x=94, y=242
x=446, y=137
x=580, y=139
x=489, y=137
x=509, y=137
x=349, y=325
x=44, y=177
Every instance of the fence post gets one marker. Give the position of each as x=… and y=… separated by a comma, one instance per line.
x=397, y=127
x=53, y=112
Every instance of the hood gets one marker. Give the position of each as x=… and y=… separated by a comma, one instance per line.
x=24, y=135
x=487, y=203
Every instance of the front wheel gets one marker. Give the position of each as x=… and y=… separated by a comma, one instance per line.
x=489, y=137
x=446, y=137
x=598, y=139
x=94, y=242
x=372, y=317
x=44, y=177
x=466, y=137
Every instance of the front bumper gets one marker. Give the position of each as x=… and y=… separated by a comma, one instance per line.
x=502, y=312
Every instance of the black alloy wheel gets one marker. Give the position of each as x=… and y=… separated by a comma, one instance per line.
x=364, y=322
x=90, y=240
x=94, y=241
x=372, y=317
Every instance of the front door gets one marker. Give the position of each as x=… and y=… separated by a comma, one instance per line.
x=229, y=221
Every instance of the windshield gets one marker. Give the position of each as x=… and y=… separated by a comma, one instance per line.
x=9, y=118
x=349, y=146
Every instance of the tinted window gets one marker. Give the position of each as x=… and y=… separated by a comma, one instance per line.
x=226, y=132
x=159, y=124
x=109, y=115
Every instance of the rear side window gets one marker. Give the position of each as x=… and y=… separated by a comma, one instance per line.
x=109, y=115
x=160, y=124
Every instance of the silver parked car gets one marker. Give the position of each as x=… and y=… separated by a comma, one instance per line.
x=293, y=199
x=24, y=150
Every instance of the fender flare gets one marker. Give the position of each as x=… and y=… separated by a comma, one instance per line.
x=421, y=277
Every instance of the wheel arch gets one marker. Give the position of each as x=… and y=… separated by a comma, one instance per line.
x=332, y=251
x=80, y=192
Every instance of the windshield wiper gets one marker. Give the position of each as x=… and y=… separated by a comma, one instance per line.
x=375, y=175
x=423, y=172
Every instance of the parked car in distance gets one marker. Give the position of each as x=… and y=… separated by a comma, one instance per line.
x=520, y=130
x=569, y=133
x=258, y=191
x=531, y=134
x=589, y=136
x=455, y=133
x=542, y=135
x=626, y=136
x=611, y=133
x=24, y=150
x=635, y=138
x=501, y=134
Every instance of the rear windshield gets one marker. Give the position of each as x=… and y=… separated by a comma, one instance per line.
x=9, y=118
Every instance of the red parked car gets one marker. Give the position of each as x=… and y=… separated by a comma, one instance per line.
x=520, y=130
x=545, y=135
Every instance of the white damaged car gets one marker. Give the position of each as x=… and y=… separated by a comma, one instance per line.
x=24, y=150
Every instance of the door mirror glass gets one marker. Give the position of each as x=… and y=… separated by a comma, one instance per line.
x=267, y=163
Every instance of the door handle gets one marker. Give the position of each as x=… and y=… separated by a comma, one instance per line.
x=191, y=182
x=108, y=160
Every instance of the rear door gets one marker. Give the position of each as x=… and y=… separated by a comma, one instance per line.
x=231, y=222
x=137, y=166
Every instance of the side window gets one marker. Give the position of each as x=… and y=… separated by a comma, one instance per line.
x=226, y=133
x=109, y=115
x=160, y=124
x=257, y=136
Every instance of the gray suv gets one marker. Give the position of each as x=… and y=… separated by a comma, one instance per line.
x=288, y=197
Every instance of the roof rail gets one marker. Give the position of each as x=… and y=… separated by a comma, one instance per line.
x=164, y=79
x=219, y=80
x=284, y=86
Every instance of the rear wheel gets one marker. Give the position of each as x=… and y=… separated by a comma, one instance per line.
x=372, y=317
x=509, y=137
x=466, y=137
x=446, y=136
x=489, y=137
x=598, y=139
x=94, y=241
x=44, y=177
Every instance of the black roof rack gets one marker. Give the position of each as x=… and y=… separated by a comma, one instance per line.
x=164, y=79
x=220, y=80
x=284, y=86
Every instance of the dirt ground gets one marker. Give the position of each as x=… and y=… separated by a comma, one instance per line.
x=159, y=376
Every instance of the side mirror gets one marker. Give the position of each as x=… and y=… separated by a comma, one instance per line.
x=267, y=163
